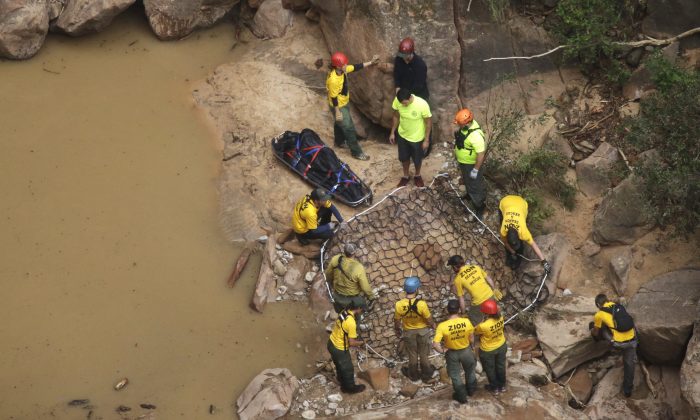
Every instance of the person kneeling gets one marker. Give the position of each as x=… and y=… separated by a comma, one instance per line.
x=311, y=218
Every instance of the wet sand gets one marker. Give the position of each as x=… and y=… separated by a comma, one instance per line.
x=113, y=264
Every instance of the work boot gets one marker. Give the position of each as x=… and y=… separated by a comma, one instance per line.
x=361, y=156
x=418, y=180
x=407, y=373
x=354, y=389
x=461, y=400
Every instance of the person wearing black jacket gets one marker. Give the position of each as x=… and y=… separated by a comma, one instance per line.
x=410, y=71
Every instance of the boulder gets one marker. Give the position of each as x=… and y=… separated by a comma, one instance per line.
x=556, y=142
x=555, y=248
x=667, y=18
x=664, y=312
x=319, y=297
x=377, y=377
x=294, y=278
x=80, y=17
x=271, y=20
x=562, y=329
x=619, y=267
x=690, y=370
x=581, y=385
x=665, y=403
x=620, y=217
x=268, y=396
x=592, y=172
x=23, y=27
x=177, y=19
x=296, y=5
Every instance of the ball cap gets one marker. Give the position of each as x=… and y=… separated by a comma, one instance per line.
x=453, y=305
x=455, y=260
x=350, y=249
x=320, y=194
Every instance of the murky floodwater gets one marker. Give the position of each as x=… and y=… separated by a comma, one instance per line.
x=111, y=260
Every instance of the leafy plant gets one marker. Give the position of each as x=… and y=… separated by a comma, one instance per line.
x=669, y=123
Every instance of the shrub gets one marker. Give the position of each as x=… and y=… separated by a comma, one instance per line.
x=669, y=123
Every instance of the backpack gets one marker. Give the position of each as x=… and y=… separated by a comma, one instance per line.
x=621, y=319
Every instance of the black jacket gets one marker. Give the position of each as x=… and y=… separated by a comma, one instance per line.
x=412, y=76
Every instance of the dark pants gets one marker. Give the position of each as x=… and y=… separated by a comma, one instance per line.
x=456, y=361
x=512, y=261
x=323, y=231
x=410, y=150
x=344, y=370
x=344, y=132
x=476, y=188
x=494, y=364
x=629, y=358
x=417, y=344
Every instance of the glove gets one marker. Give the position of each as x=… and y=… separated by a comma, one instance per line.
x=497, y=294
x=375, y=59
x=474, y=173
x=547, y=266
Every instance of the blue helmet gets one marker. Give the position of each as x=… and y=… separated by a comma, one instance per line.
x=411, y=284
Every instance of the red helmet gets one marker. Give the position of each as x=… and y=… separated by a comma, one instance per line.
x=339, y=60
x=406, y=46
x=489, y=307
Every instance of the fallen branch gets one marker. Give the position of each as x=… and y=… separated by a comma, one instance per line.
x=238, y=269
x=659, y=42
x=624, y=158
x=633, y=44
x=647, y=378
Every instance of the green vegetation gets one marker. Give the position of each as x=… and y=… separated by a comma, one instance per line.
x=498, y=9
x=669, y=123
x=530, y=174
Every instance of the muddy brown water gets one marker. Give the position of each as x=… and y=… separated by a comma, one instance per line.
x=113, y=264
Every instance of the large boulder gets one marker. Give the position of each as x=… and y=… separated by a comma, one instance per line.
x=592, y=172
x=562, y=329
x=80, y=17
x=670, y=17
x=23, y=27
x=176, y=19
x=620, y=218
x=619, y=269
x=664, y=312
x=272, y=20
x=268, y=396
x=690, y=370
x=555, y=248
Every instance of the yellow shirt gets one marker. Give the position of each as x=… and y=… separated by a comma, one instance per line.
x=455, y=332
x=337, y=86
x=305, y=216
x=355, y=281
x=473, y=279
x=602, y=317
x=411, y=320
x=412, y=118
x=491, y=332
x=474, y=144
x=514, y=209
x=341, y=328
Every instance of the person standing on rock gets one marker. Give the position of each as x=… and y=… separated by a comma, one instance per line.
x=343, y=336
x=412, y=122
x=311, y=218
x=492, y=347
x=349, y=280
x=472, y=279
x=457, y=333
x=613, y=324
x=512, y=211
x=338, y=99
x=470, y=151
x=411, y=321
x=410, y=71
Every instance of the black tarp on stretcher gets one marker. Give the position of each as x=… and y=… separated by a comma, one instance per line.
x=307, y=155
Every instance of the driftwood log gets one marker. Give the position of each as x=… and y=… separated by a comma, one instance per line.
x=238, y=269
x=266, y=277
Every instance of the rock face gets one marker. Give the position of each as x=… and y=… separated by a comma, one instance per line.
x=591, y=173
x=23, y=27
x=80, y=17
x=271, y=20
x=619, y=270
x=608, y=403
x=690, y=370
x=562, y=329
x=668, y=18
x=176, y=19
x=620, y=217
x=268, y=396
x=664, y=312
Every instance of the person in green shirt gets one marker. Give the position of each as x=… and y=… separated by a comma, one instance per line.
x=470, y=152
x=348, y=279
x=412, y=122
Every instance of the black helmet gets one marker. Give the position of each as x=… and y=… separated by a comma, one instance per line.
x=455, y=260
x=320, y=194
